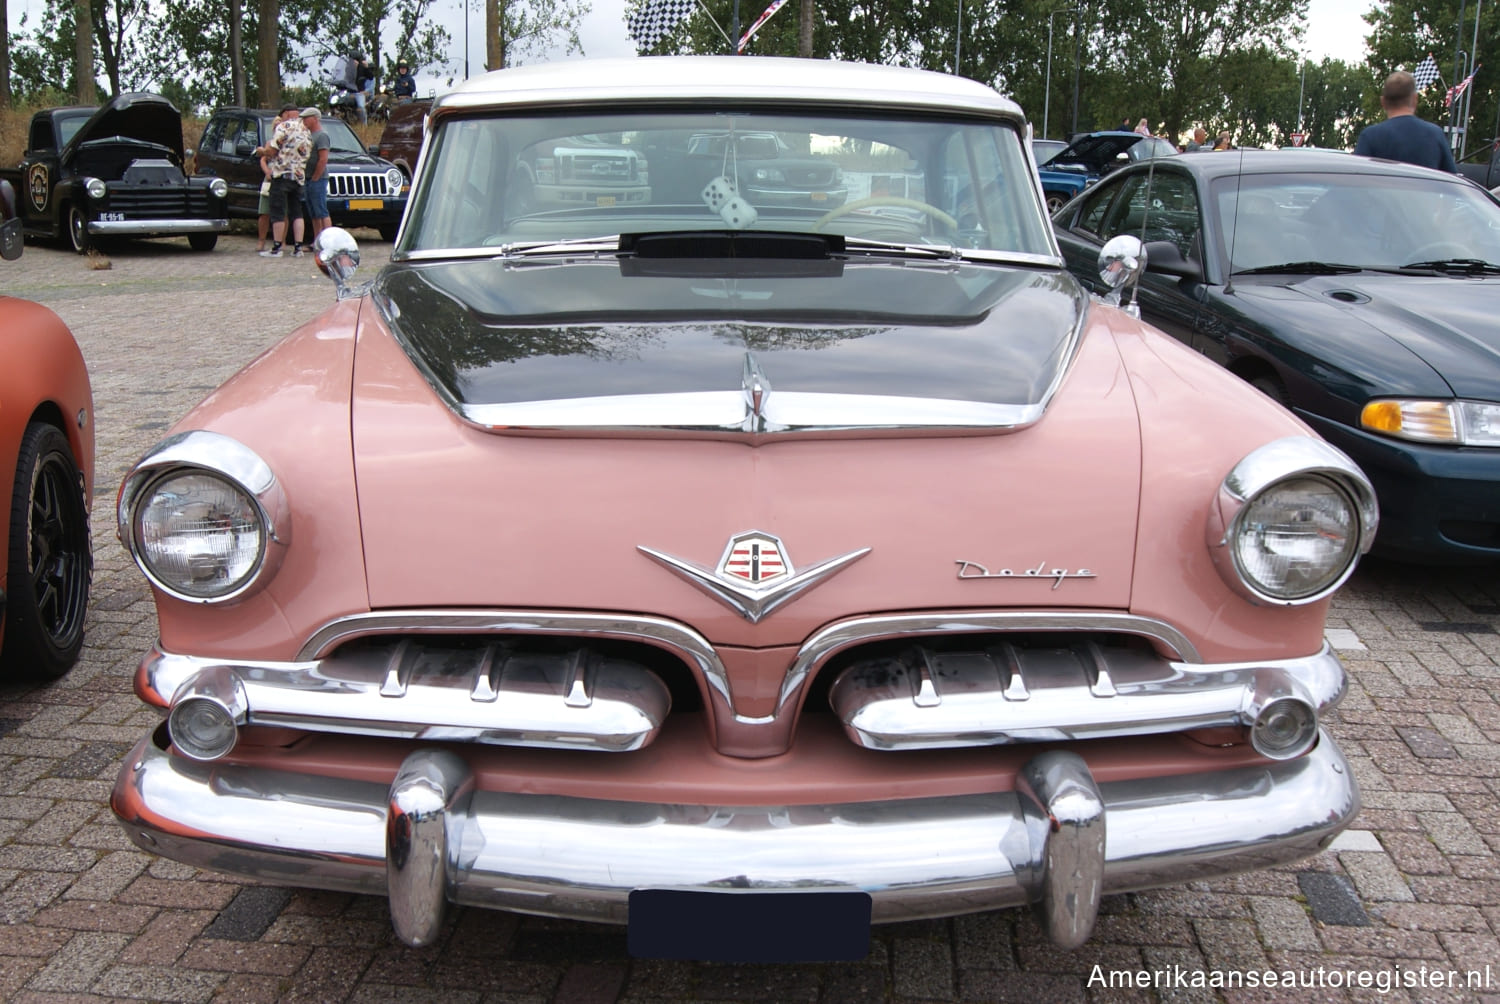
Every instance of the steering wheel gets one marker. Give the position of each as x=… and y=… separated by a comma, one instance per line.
x=1439, y=250
x=933, y=212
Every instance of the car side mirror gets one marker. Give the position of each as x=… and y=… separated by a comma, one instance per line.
x=373, y=150
x=11, y=242
x=1164, y=258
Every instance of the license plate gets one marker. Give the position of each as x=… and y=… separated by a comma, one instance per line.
x=820, y=196
x=366, y=203
x=749, y=925
x=112, y=217
x=604, y=201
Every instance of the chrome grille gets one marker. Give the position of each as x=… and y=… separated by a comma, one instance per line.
x=141, y=202
x=344, y=186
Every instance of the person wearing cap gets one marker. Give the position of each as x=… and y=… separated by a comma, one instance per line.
x=286, y=154
x=315, y=191
x=406, y=84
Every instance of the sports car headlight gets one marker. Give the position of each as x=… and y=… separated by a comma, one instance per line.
x=204, y=518
x=1460, y=423
x=219, y=188
x=95, y=187
x=393, y=180
x=1290, y=522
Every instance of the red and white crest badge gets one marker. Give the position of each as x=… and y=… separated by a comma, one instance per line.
x=755, y=558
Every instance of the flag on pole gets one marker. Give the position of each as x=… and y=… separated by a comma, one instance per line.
x=653, y=19
x=765, y=16
x=1457, y=90
x=1426, y=73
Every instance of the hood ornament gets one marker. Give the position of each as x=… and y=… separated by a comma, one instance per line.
x=755, y=576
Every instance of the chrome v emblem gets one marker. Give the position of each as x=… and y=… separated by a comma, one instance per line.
x=755, y=576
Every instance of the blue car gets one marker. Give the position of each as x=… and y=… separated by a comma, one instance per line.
x=1090, y=157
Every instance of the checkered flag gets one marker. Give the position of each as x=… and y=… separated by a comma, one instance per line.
x=1425, y=73
x=653, y=19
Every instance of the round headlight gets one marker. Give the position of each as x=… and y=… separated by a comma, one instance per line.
x=96, y=188
x=199, y=535
x=219, y=188
x=393, y=180
x=1296, y=538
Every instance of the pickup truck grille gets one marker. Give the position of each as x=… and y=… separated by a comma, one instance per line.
x=138, y=202
x=343, y=186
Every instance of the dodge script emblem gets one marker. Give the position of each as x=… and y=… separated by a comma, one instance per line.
x=754, y=576
x=754, y=558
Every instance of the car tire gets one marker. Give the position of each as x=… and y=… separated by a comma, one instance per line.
x=388, y=232
x=1055, y=202
x=1272, y=388
x=50, y=560
x=78, y=230
x=202, y=242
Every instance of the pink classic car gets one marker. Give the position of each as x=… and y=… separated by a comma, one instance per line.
x=741, y=573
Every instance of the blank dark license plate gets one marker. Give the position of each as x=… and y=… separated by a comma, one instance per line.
x=749, y=925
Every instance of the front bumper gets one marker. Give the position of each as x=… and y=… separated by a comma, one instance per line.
x=1437, y=503
x=429, y=837
x=156, y=228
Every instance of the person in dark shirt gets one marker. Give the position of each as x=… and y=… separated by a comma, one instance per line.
x=406, y=84
x=1403, y=136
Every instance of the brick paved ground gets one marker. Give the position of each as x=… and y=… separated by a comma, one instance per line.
x=1415, y=884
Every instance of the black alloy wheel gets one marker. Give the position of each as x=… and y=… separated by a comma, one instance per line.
x=50, y=561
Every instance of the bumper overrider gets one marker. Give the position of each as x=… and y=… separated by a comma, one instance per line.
x=1060, y=840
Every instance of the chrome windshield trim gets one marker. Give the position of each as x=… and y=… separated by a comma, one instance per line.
x=729, y=411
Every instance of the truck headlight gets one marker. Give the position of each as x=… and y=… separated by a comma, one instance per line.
x=219, y=188
x=96, y=188
x=393, y=180
x=204, y=518
x=1290, y=522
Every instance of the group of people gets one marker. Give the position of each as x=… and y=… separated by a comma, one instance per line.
x=359, y=80
x=1199, y=140
x=295, y=164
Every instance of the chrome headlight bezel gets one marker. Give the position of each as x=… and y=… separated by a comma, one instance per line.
x=96, y=188
x=218, y=457
x=394, y=179
x=218, y=188
x=1434, y=421
x=1272, y=466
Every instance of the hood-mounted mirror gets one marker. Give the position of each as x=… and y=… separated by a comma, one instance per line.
x=337, y=254
x=1122, y=261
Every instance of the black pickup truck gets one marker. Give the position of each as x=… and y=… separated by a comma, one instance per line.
x=1483, y=165
x=115, y=171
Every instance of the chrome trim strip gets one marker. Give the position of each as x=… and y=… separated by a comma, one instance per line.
x=572, y=857
x=732, y=411
x=882, y=706
x=130, y=228
x=214, y=453
x=516, y=699
x=754, y=603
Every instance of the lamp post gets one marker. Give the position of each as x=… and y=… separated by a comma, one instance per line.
x=1047, y=97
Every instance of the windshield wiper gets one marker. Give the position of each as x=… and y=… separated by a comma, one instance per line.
x=1302, y=268
x=913, y=250
x=1470, y=266
x=607, y=244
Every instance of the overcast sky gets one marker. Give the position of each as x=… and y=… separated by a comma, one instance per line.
x=1335, y=28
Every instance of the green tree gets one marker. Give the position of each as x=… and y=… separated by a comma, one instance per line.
x=516, y=29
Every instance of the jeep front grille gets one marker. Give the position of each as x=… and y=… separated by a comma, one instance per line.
x=345, y=186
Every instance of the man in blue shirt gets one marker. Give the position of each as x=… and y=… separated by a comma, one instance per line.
x=1403, y=136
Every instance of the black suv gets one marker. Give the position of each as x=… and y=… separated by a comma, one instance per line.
x=363, y=190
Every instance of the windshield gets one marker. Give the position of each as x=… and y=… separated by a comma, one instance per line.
x=502, y=180
x=68, y=125
x=342, y=136
x=1365, y=220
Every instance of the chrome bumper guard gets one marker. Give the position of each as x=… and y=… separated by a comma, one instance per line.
x=128, y=228
x=430, y=838
x=1081, y=688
